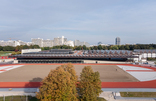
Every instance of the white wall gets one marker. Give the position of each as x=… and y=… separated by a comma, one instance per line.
x=30, y=50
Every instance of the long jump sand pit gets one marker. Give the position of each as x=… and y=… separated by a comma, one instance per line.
x=35, y=73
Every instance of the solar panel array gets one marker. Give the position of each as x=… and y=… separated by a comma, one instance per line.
x=60, y=50
x=145, y=50
x=79, y=54
x=108, y=52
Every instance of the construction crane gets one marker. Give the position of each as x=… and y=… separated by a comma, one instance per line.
x=12, y=38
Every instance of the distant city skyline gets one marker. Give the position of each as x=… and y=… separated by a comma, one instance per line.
x=45, y=42
x=133, y=21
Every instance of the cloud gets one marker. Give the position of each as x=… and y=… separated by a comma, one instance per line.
x=88, y=20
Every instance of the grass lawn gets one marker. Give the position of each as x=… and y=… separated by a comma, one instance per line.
x=5, y=53
x=138, y=94
x=19, y=98
x=101, y=99
x=23, y=98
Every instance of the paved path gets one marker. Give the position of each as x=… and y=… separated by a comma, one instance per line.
x=110, y=96
x=15, y=93
x=129, y=89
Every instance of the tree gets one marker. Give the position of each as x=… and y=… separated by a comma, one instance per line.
x=25, y=47
x=59, y=85
x=89, y=85
x=73, y=77
x=84, y=47
x=8, y=48
x=95, y=47
x=36, y=46
x=115, y=47
x=99, y=47
x=104, y=47
x=1, y=48
x=127, y=47
x=122, y=47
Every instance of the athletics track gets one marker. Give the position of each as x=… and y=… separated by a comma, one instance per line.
x=140, y=84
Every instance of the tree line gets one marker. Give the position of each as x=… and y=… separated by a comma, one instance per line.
x=18, y=48
x=99, y=47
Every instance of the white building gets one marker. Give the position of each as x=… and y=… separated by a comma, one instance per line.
x=30, y=50
x=48, y=43
x=143, y=54
x=70, y=43
x=37, y=41
x=59, y=41
x=79, y=43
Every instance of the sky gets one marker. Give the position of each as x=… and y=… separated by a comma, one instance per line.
x=93, y=21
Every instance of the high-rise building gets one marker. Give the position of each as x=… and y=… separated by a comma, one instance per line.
x=78, y=43
x=48, y=43
x=37, y=41
x=60, y=41
x=69, y=43
x=117, y=41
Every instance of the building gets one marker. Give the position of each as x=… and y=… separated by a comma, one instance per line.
x=44, y=43
x=80, y=56
x=143, y=54
x=12, y=43
x=37, y=41
x=69, y=43
x=79, y=43
x=30, y=50
x=117, y=41
x=60, y=41
x=83, y=56
x=48, y=43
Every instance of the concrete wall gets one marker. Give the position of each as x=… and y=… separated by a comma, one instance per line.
x=30, y=50
x=116, y=62
x=95, y=61
x=89, y=61
x=15, y=61
x=6, y=60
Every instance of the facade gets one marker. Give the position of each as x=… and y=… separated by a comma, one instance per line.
x=69, y=43
x=143, y=54
x=117, y=41
x=29, y=50
x=79, y=43
x=45, y=43
x=48, y=43
x=37, y=41
x=12, y=43
x=60, y=41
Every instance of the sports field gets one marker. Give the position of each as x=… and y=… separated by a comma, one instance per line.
x=35, y=73
x=111, y=75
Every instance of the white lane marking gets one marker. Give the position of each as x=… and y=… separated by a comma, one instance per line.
x=7, y=68
x=141, y=75
x=132, y=68
x=144, y=76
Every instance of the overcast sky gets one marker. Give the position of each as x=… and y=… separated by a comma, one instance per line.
x=134, y=21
